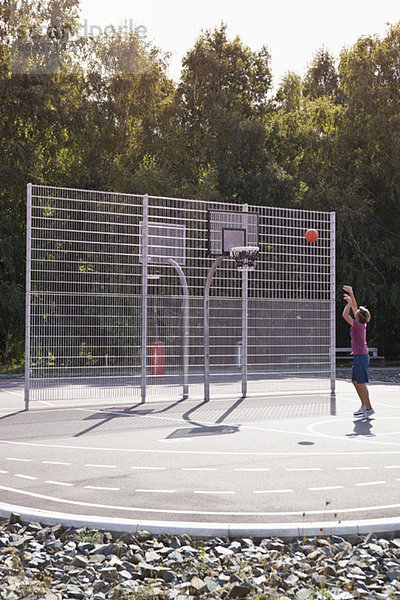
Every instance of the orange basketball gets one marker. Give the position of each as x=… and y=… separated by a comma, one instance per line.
x=311, y=235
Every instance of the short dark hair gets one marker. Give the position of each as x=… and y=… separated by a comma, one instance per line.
x=364, y=315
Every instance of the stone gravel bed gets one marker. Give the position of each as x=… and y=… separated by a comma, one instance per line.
x=54, y=562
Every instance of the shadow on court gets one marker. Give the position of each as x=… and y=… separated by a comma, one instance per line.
x=362, y=427
x=217, y=417
x=202, y=430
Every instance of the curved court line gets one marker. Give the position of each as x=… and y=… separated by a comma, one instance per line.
x=244, y=425
x=298, y=513
x=358, y=438
x=207, y=529
x=199, y=452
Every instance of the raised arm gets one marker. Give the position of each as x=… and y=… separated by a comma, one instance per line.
x=352, y=298
x=346, y=311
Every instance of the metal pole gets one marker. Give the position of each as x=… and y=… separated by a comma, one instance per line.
x=185, y=340
x=145, y=254
x=206, y=332
x=28, y=295
x=245, y=281
x=333, y=312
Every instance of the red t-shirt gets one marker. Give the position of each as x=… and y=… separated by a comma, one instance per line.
x=358, y=334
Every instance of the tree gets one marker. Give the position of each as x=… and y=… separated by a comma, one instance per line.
x=303, y=144
x=30, y=131
x=370, y=145
x=322, y=78
x=74, y=112
x=221, y=103
x=289, y=94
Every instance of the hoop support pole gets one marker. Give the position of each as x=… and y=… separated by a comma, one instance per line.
x=245, y=287
x=206, y=332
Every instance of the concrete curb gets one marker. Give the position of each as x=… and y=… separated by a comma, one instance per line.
x=206, y=529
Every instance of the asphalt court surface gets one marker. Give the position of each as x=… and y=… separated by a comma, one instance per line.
x=277, y=459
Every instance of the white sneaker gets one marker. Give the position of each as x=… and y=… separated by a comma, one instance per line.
x=369, y=413
x=359, y=412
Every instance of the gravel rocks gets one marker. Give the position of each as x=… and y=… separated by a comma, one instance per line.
x=54, y=563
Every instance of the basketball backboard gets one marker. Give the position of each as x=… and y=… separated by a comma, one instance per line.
x=164, y=241
x=228, y=229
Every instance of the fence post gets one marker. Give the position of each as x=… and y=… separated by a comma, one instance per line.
x=333, y=313
x=145, y=260
x=245, y=288
x=28, y=295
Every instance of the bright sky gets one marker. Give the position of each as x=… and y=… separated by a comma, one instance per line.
x=292, y=30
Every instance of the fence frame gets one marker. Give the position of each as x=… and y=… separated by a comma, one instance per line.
x=167, y=205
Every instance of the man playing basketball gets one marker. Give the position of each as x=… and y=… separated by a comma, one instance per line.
x=359, y=349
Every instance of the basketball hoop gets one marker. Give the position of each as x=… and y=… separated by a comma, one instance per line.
x=153, y=275
x=245, y=257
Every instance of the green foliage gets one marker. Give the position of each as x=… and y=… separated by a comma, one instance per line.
x=337, y=135
x=202, y=552
x=370, y=138
x=221, y=103
x=322, y=78
x=106, y=116
x=86, y=535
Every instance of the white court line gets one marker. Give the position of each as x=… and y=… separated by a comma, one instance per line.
x=101, y=466
x=370, y=483
x=198, y=469
x=353, y=468
x=25, y=476
x=149, y=468
x=98, y=487
x=251, y=470
x=200, y=452
x=20, y=459
x=59, y=483
x=272, y=491
x=3, y=472
x=6, y=391
x=216, y=492
x=392, y=467
x=55, y=462
x=175, y=511
x=304, y=469
x=143, y=491
x=327, y=487
x=372, y=438
x=189, y=439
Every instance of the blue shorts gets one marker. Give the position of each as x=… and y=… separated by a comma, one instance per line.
x=360, y=368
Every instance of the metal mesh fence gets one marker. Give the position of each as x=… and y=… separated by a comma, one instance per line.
x=87, y=335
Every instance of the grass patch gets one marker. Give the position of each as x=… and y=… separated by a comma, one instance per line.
x=15, y=368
